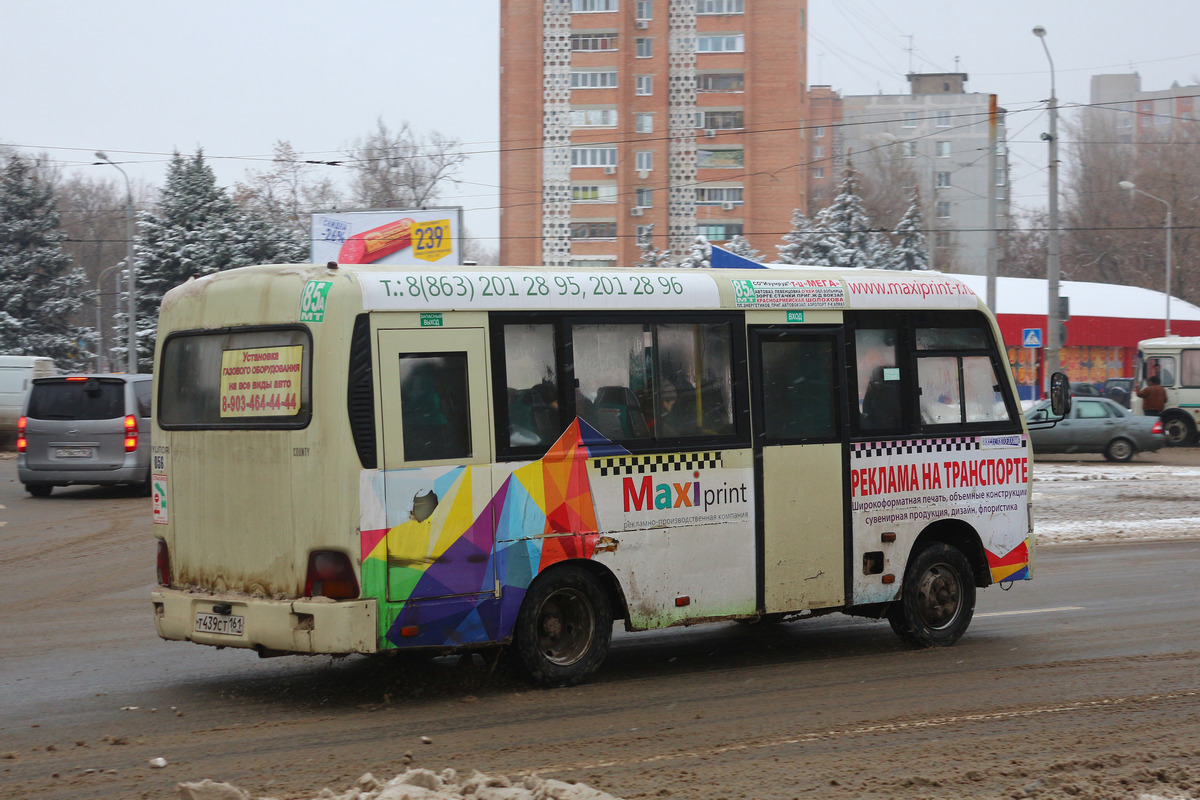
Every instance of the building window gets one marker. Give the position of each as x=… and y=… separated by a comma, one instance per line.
x=594, y=79
x=910, y=119
x=593, y=262
x=728, y=43
x=908, y=149
x=818, y=151
x=593, y=194
x=644, y=160
x=942, y=149
x=720, y=232
x=942, y=180
x=819, y=132
x=645, y=48
x=594, y=118
x=593, y=156
x=941, y=239
x=719, y=120
x=643, y=123
x=943, y=210
x=720, y=159
x=585, y=6
x=715, y=196
x=644, y=84
x=943, y=119
x=644, y=198
x=721, y=82
x=593, y=41
x=818, y=173
x=645, y=9
x=593, y=230
x=1000, y=179
x=720, y=6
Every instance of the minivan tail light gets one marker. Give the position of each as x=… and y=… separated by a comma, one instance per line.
x=163, y=567
x=22, y=442
x=1156, y=429
x=131, y=433
x=330, y=574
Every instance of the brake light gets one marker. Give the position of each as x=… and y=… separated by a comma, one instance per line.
x=163, y=567
x=22, y=443
x=330, y=575
x=131, y=433
x=1156, y=429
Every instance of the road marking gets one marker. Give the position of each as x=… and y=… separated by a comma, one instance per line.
x=889, y=727
x=1029, y=611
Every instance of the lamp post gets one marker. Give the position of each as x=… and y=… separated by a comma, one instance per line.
x=1167, y=317
x=130, y=264
x=1053, y=325
x=99, y=320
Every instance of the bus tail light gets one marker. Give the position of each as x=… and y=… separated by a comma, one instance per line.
x=1156, y=429
x=22, y=442
x=330, y=575
x=131, y=433
x=163, y=567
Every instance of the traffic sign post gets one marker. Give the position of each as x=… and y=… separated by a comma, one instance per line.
x=1031, y=337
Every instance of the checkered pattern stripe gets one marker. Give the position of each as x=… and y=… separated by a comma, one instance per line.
x=954, y=444
x=644, y=465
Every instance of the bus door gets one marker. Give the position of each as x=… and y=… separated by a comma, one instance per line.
x=798, y=430
x=435, y=406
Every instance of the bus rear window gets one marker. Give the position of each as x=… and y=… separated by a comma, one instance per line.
x=236, y=378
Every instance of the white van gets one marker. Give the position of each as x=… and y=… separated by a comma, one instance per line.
x=16, y=376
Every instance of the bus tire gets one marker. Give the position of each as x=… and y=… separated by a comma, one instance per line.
x=937, y=599
x=564, y=627
x=1178, y=429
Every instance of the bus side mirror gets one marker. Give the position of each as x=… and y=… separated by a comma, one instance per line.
x=1060, y=394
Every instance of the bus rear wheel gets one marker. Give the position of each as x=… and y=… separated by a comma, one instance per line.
x=937, y=600
x=564, y=627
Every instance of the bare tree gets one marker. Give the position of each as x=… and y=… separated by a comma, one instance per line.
x=886, y=184
x=401, y=169
x=1023, y=244
x=289, y=191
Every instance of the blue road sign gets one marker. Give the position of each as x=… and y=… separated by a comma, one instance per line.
x=1031, y=337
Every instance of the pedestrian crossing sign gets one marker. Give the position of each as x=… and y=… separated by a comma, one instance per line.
x=1031, y=337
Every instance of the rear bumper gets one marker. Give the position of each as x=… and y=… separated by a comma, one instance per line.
x=130, y=472
x=287, y=626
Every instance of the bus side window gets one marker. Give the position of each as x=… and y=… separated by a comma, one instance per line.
x=879, y=384
x=611, y=378
x=434, y=406
x=532, y=377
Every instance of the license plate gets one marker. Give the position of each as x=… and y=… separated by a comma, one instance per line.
x=73, y=452
x=226, y=624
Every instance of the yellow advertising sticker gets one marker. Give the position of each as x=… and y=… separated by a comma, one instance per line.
x=261, y=382
x=431, y=240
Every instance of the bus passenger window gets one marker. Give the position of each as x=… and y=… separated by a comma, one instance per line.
x=940, y=401
x=694, y=383
x=434, y=406
x=798, y=396
x=532, y=376
x=985, y=401
x=879, y=392
x=611, y=378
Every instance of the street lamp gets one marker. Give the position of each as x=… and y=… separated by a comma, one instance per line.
x=1129, y=185
x=1053, y=325
x=99, y=320
x=130, y=264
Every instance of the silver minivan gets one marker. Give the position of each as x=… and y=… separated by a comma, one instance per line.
x=85, y=429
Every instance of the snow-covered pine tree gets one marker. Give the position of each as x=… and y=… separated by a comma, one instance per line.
x=740, y=247
x=197, y=230
x=846, y=239
x=40, y=290
x=651, y=256
x=797, y=247
x=912, y=249
x=700, y=256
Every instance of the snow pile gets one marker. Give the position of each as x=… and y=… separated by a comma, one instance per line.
x=423, y=784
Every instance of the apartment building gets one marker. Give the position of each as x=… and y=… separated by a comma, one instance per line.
x=1120, y=111
x=936, y=138
x=687, y=115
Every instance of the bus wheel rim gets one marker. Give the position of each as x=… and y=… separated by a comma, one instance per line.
x=939, y=596
x=565, y=627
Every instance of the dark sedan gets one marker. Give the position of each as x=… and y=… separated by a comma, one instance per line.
x=1095, y=425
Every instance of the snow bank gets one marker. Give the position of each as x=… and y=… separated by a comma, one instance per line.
x=423, y=784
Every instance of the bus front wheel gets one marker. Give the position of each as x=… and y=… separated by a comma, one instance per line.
x=937, y=600
x=1178, y=429
x=564, y=627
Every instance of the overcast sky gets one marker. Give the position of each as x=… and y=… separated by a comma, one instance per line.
x=141, y=78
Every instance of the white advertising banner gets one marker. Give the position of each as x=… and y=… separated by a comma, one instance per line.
x=427, y=236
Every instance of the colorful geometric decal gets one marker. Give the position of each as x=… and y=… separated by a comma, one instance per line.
x=1012, y=567
x=436, y=573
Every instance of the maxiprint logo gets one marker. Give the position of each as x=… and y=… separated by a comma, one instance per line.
x=313, y=300
x=643, y=494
